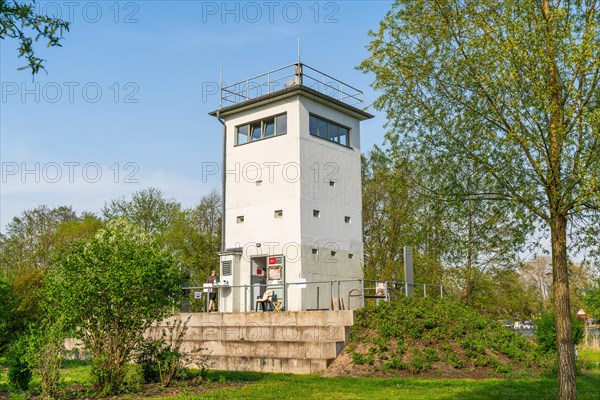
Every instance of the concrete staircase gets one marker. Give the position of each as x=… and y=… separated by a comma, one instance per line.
x=296, y=342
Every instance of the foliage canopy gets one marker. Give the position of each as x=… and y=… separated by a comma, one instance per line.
x=112, y=288
x=508, y=90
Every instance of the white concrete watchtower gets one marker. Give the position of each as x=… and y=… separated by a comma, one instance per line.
x=292, y=189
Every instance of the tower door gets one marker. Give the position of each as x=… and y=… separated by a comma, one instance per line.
x=258, y=277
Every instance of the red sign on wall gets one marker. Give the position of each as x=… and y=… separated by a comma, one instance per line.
x=275, y=260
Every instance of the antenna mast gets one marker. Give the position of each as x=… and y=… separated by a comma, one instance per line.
x=299, y=65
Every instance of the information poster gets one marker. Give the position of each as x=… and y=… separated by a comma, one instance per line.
x=275, y=268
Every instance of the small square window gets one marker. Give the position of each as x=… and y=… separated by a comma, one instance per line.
x=347, y=219
x=351, y=256
x=315, y=251
x=316, y=213
x=333, y=253
x=278, y=213
x=332, y=183
x=240, y=219
x=258, y=183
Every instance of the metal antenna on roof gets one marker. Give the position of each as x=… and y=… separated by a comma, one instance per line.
x=299, y=66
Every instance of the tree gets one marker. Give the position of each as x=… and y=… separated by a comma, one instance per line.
x=30, y=239
x=537, y=275
x=19, y=20
x=511, y=88
x=407, y=201
x=112, y=287
x=592, y=300
x=147, y=208
x=195, y=235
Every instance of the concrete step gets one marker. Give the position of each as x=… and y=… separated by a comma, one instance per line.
x=286, y=318
x=269, y=364
x=275, y=349
x=298, y=342
x=285, y=333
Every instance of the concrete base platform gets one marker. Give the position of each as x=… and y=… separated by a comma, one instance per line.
x=299, y=342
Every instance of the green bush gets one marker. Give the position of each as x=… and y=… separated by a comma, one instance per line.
x=504, y=368
x=394, y=364
x=147, y=358
x=361, y=359
x=134, y=378
x=453, y=359
x=19, y=370
x=420, y=362
x=545, y=332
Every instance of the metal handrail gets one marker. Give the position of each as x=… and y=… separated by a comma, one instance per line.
x=240, y=91
x=364, y=287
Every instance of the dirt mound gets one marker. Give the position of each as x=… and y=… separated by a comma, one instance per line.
x=434, y=338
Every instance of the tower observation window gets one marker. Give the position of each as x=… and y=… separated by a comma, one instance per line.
x=328, y=130
x=262, y=129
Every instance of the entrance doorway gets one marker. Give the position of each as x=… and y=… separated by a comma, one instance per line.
x=258, y=278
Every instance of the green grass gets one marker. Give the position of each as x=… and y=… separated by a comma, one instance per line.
x=590, y=356
x=286, y=386
x=271, y=386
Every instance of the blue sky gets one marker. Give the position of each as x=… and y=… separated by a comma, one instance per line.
x=125, y=103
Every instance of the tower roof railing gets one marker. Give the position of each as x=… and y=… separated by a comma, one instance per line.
x=297, y=74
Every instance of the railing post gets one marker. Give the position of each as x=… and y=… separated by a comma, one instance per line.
x=247, y=88
x=330, y=295
x=441, y=291
x=318, y=294
x=269, y=83
x=362, y=292
x=406, y=289
x=424, y=290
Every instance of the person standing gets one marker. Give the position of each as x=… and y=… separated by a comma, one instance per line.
x=212, y=294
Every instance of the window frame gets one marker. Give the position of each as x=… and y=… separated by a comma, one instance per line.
x=320, y=120
x=271, y=119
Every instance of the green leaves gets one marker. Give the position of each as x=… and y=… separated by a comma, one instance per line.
x=19, y=20
x=112, y=287
x=510, y=90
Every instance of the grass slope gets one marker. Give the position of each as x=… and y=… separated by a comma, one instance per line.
x=437, y=337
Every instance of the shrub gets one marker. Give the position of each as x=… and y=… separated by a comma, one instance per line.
x=134, y=377
x=19, y=370
x=123, y=267
x=545, y=332
x=454, y=360
x=420, y=361
x=161, y=359
x=358, y=358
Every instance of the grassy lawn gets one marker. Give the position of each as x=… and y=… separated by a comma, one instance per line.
x=591, y=356
x=284, y=386
x=268, y=386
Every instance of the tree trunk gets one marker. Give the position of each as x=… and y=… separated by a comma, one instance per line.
x=567, y=388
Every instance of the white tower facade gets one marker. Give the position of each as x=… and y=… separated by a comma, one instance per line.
x=292, y=198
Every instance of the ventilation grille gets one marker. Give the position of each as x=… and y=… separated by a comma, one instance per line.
x=226, y=268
